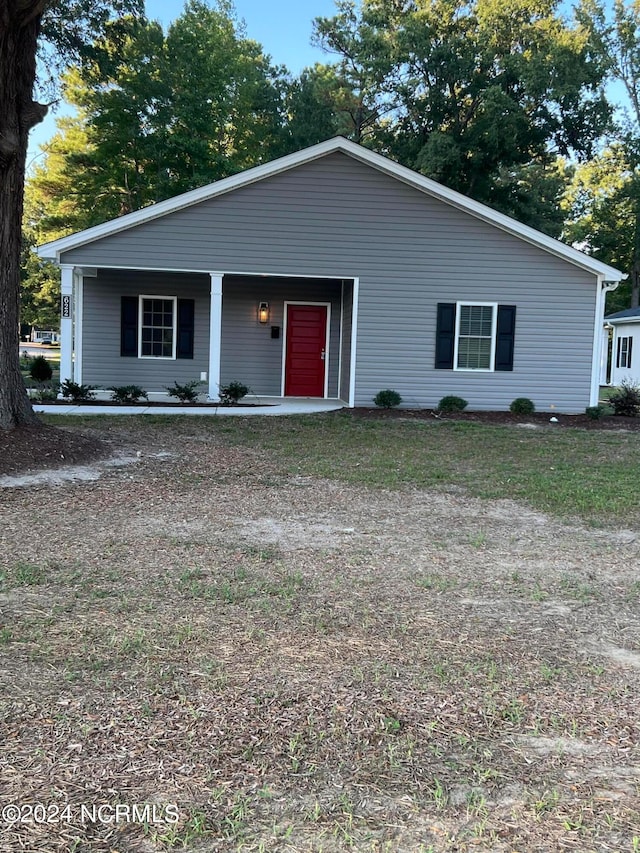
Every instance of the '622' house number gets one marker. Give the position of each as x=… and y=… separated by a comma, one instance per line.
x=66, y=306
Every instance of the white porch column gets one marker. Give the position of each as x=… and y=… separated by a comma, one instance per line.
x=603, y=287
x=215, y=335
x=66, y=323
x=78, y=292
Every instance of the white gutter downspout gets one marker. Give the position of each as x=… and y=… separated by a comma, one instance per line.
x=604, y=287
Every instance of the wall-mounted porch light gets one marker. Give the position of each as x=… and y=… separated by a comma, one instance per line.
x=263, y=312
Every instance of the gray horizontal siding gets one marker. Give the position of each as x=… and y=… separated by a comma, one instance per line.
x=249, y=353
x=336, y=217
x=102, y=364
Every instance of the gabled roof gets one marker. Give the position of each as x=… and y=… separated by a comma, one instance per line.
x=629, y=315
x=54, y=249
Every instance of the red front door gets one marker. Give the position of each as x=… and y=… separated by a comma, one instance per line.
x=306, y=357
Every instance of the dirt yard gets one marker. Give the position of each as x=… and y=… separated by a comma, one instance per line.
x=282, y=663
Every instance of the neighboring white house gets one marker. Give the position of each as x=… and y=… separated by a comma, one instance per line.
x=625, y=349
x=39, y=335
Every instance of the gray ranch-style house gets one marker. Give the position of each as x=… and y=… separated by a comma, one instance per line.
x=333, y=273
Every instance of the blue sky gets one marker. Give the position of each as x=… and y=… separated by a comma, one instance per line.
x=283, y=28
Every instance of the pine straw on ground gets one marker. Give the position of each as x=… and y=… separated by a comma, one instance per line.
x=303, y=665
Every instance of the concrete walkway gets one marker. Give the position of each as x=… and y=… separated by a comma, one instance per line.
x=275, y=406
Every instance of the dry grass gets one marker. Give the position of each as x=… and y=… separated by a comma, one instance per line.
x=301, y=663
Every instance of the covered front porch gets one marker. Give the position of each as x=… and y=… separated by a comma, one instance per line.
x=281, y=336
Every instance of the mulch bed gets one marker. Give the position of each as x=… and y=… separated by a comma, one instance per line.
x=34, y=448
x=146, y=404
x=610, y=422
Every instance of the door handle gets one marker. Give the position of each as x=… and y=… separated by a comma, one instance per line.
x=322, y=356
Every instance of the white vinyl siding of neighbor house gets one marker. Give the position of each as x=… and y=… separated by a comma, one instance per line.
x=625, y=354
x=336, y=217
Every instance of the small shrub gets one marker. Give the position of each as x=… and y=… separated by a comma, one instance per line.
x=451, y=403
x=77, y=393
x=596, y=412
x=44, y=394
x=185, y=393
x=232, y=392
x=522, y=406
x=40, y=369
x=626, y=400
x=387, y=399
x=128, y=393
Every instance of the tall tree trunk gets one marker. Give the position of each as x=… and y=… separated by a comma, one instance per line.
x=19, y=28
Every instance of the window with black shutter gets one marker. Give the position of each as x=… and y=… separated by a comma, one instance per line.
x=475, y=336
x=157, y=327
x=129, y=326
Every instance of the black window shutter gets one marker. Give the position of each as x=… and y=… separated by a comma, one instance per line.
x=445, y=335
x=618, y=352
x=129, y=326
x=186, y=317
x=505, y=337
x=629, y=345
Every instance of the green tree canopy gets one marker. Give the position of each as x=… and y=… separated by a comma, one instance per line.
x=63, y=29
x=159, y=114
x=474, y=94
x=603, y=203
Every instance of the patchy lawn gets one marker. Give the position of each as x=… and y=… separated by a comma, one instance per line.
x=324, y=634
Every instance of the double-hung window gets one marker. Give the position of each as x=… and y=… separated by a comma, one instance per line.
x=624, y=351
x=478, y=336
x=157, y=327
x=475, y=336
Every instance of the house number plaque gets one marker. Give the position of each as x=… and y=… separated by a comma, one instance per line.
x=66, y=306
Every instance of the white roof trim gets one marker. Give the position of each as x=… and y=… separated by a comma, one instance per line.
x=54, y=249
x=621, y=321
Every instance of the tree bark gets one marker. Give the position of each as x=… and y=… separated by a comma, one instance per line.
x=19, y=30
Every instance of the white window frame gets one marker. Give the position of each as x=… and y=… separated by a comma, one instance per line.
x=624, y=352
x=174, y=300
x=494, y=325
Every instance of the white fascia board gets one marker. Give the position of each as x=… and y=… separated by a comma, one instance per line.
x=338, y=144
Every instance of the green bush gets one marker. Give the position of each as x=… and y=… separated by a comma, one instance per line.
x=185, y=393
x=46, y=394
x=40, y=369
x=387, y=399
x=626, y=400
x=128, y=393
x=451, y=403
x=78, y=393
x=522, y=406
x=232, y=392
x=596, y=412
